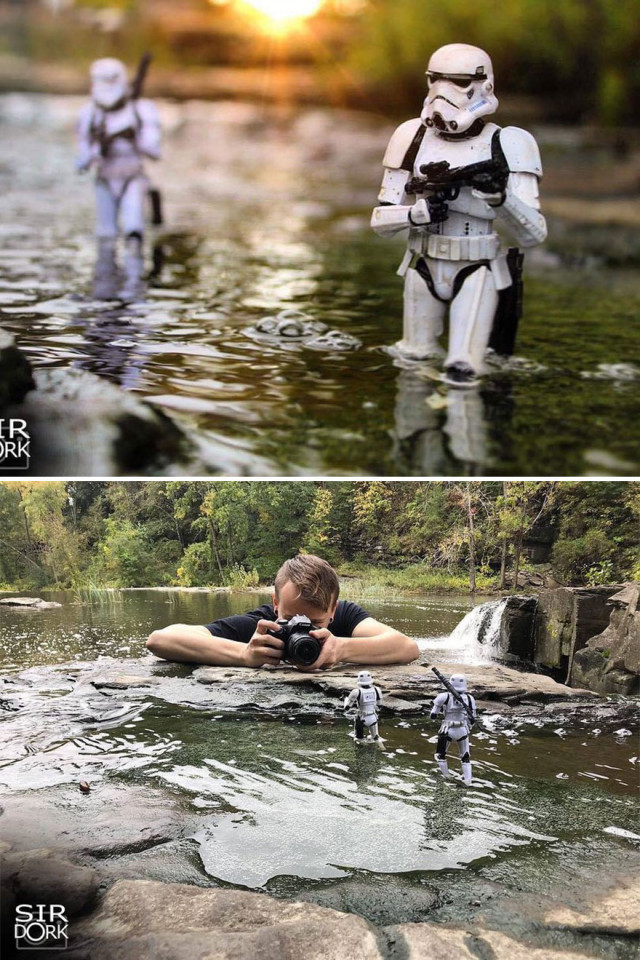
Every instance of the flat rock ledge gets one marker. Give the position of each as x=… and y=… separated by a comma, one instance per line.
x=29, y=603
x=407, y=689
x=161, y=921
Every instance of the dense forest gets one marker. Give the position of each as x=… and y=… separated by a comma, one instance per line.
x=409, y=535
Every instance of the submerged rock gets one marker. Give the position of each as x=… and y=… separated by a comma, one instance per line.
x=112, y=819
x=617, y=913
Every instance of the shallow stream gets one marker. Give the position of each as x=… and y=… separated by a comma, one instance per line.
x=267, y=210
x=276, y=796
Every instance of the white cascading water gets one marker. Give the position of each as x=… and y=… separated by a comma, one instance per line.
x=480, y=633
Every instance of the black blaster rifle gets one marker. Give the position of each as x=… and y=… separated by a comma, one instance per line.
x=454, y=693
x=444, y=182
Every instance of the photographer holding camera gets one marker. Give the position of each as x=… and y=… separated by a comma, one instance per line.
x=306, y=625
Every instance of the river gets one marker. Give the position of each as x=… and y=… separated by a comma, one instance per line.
x=278, y=798
x=267, y=210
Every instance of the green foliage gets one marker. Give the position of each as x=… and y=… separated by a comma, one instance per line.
x=194, y=569
x=239, y=578
x=538, y=47
x=410, y=535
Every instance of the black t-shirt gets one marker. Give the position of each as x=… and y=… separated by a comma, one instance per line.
x=243, y=626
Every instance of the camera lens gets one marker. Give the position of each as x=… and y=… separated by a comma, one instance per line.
x=303, y=649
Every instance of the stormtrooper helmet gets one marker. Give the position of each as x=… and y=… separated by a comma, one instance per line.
x=460, y=81
x=458, y=682
x=364, y=679
x=109, y=83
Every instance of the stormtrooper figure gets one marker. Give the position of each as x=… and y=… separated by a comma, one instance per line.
x=115, y=132
x=456, y=725
x=453, y=255
x=367, y=698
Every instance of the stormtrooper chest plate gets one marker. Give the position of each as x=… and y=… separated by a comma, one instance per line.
x=457, y=153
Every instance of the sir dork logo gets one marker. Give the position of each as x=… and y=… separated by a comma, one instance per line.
x=15, y=444
x=40, y=926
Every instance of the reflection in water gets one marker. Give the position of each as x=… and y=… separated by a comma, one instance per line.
x=435, y=430
x=110, y=342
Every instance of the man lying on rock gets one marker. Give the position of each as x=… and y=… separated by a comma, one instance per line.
x=305, y=587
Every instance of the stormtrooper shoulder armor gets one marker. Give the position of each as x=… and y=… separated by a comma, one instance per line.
x=401, y=140
x=147, y=111
x=521, y=151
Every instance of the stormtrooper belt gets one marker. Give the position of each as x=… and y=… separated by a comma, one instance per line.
x=462, y=248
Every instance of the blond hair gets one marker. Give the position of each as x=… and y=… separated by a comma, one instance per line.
x=316, y=580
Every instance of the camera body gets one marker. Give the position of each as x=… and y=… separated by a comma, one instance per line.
x=299, y=646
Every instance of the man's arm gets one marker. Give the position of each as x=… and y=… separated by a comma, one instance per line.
x=375, y=642
x=371, y=642
x=196, y=644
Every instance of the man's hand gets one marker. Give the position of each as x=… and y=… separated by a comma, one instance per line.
x=331, y=652
x=264, y=648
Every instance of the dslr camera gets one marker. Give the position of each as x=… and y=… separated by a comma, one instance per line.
x=299, y=646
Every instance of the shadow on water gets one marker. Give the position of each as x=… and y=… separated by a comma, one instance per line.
x=268, y=212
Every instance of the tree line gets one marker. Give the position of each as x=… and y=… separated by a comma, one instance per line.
x=84, y=534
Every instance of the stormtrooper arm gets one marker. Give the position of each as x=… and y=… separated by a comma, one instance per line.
x=520, y=211
x=87, y=149
x=393, y=215
x=438, y=705
x=149, y=133
x=351, y=699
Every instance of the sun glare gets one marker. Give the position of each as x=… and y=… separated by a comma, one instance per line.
x=281, y=11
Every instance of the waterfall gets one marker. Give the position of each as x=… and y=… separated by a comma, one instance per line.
x=480, y=633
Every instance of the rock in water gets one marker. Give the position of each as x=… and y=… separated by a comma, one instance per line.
x=82, y=425
x=29, y=603
x=16, y=378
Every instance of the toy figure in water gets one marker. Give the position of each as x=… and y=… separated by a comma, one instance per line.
x=367, y=699
x=459, y=709
x=116, y=132
x=449, y=175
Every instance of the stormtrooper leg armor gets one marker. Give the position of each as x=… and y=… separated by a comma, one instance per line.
x=441, y=754
x=471, y=319
x=465, y=759
x=423, y=320
x=132, y=216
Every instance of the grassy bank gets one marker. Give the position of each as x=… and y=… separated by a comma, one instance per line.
x=355, y=582
x=412, y=580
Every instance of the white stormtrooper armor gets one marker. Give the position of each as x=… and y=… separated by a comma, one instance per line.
x=367, y=698
x=115, y=133
x=456, y=725
x=454, y=254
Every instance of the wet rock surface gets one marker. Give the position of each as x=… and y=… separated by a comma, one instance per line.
x=113, y=818
x=45, y=876
x=417, y=941
x=167, y=921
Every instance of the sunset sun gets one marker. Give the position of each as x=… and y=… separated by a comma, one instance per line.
x=281, y=11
